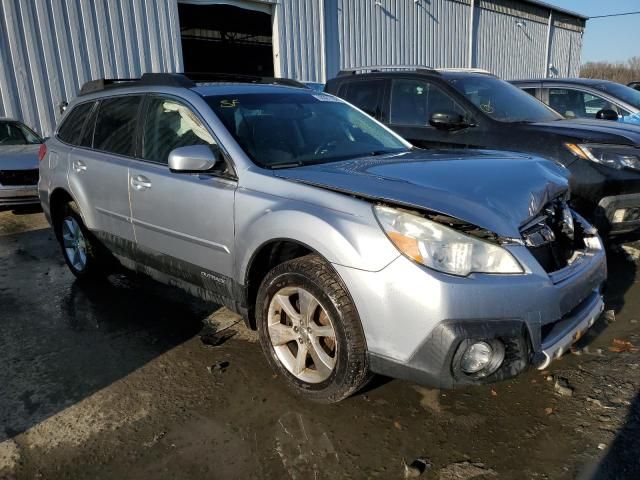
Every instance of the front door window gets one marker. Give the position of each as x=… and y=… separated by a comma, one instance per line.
x=572, y=103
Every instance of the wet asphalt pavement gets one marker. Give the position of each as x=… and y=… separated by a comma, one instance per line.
x=114, y=381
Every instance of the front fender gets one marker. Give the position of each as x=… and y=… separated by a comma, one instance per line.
x=348, y=236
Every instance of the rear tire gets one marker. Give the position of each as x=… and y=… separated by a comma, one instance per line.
x=82, y=253
x=310, y=331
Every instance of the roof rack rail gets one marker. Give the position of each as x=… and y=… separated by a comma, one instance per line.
x=465, y=70
x=214, y=77
x=189, y=80
x=102, y=83
x=160, y=79
x=167, y=80
x=386, y=68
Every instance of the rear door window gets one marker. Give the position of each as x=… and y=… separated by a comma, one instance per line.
x=413, y=102
x=115, y=129
x=71, y=128
x=367, y=96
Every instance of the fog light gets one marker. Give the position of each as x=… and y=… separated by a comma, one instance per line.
x=618, y=215
x=476, y=358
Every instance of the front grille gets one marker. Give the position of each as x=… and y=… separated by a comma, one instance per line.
x=552, y=240
x=16, y=178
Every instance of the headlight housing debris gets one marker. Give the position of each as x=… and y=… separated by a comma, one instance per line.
x=442, y=248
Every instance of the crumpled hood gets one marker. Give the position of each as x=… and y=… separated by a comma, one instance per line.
x=593, y=131
x=19, y=157
x=494, y=190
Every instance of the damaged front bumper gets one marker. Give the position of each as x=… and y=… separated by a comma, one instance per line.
x=420, y=321
x=559, y=336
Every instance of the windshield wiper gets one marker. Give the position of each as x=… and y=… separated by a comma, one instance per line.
x=278, y=166
x=375, y=153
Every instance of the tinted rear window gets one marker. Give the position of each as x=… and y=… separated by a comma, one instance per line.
x=71, y=127
x=115, y=125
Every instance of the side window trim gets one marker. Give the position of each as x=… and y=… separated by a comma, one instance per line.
x=142, y=124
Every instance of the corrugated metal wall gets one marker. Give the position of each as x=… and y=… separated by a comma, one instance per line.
x=300, y=47
x=433, y=33
x=508, y=42
x=509, y=36
x=566, y=46
x=49, y=48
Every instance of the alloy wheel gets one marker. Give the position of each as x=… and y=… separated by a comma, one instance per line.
x=75, y=245
x=302, y=334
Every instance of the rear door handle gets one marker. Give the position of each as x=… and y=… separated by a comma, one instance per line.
x=79, y=166
x=140, y=182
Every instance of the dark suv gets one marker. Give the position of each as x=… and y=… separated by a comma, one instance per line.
x=473, y=109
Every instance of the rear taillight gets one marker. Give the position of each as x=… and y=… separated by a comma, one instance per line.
x=42, y=152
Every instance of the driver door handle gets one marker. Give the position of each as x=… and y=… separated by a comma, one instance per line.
x=140, y=182
x=79, y=166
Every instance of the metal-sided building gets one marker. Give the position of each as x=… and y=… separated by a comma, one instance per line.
x=49, y=48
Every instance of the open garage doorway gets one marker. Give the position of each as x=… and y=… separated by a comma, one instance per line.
x=218, y=38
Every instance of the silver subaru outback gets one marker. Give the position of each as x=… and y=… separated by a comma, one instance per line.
x=349, y=250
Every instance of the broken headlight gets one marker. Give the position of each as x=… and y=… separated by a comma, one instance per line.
x=614, y=156
x=442, y=248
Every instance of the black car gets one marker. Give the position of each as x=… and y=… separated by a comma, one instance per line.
x=471, y=109
x=634, y=85
x=586, y=98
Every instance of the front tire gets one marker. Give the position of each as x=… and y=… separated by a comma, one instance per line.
x=81, y=251
x=310, y=331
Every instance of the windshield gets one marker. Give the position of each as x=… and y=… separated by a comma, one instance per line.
x=14, y=133
x=502, y=101
x=290, y=129
x=622, y=92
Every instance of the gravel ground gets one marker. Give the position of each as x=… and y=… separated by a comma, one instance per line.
x=122, y=381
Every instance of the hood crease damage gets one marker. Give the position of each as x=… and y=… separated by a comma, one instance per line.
x=499, y=192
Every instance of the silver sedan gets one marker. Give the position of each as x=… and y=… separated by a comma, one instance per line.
x=19, y=147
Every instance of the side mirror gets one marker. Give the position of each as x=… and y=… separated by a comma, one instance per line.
x=194, y=158
x=448, y=121
x=606, y=114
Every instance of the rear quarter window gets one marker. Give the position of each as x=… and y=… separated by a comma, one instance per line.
x=71, y=127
